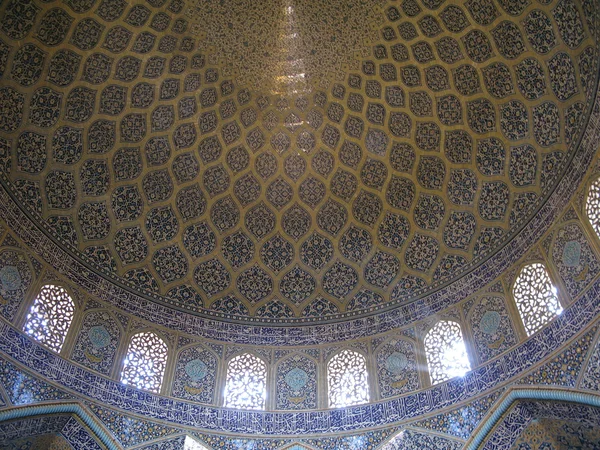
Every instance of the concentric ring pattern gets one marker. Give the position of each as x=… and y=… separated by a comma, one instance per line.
x=312, y=159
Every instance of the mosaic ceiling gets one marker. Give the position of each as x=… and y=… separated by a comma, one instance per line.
x=289, y=159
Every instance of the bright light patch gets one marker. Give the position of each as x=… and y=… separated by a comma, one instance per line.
x=145, y=363
x=446, y=353
x=536, y=297
x=50, y=316
x=246, y=384
x=347, y=379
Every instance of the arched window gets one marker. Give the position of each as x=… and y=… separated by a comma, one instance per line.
x=50, y=316
x=446, y=353
x=592, y=206
x=536, y=297
x=347, y=379
x=145, y=363
x=246, y=383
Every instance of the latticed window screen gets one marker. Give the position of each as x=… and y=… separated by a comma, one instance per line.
x=246, y=384
x=347, y=379
x=145, y=363
x=536, y=297
x=50, y=316
x=592, y=206
x=446, y=353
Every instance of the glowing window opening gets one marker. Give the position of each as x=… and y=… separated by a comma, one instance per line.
x=347, y=379
x=592, y=206
x=246, y=383
x=145, y=363
x=446, y=352
x=536, y=297
x=50, y=316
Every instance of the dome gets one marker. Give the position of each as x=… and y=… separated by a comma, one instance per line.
x=297, y=191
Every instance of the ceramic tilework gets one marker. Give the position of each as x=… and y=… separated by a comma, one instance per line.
x=486, y=377
x=573, y=256
x=492, y=328
x=66, y=431
x=397, y=368
x=43, y=430
x=389, y=316
x=97, y=342
x=23, y=389
x=48, y=441
x=460, y=422
x=279, y=124
x=368, y=441
x=591, y=376
x=413, y=440
x=128, y=430
x=296, y=383
x=524, y=413
x=565, y=368
x=226, y=443
x=167, y=444
x=216, y=90
x=555, y=434
x=195, y=375
x=15, y=278
x=143, y=427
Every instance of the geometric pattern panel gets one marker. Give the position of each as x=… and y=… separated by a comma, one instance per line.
x=572, y=254
x=245, y=387
x=414, y=440
x=15, y=278
x=416, y=130
x=555, y=433
x=50, y=431
x=533, y=424
x=347, y=379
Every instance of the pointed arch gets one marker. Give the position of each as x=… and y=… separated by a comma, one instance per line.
x=145, y=363
x=347, y=379
x=98, y=338
x=90, y=426
x=445, y=351
x=195, y=377
x=397, y=366
x=50, y=316
x=246, y=382
x=296, y=382
x=536, y=297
